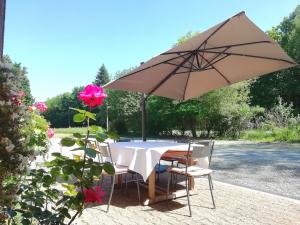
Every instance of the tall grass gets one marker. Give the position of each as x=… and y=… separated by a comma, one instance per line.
x=285, y=134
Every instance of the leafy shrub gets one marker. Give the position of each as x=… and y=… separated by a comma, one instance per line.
x=14, y=153
x=280, y=115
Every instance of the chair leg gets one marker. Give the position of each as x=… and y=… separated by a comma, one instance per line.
x=158, y=171
x=111, y=192
x=188, y=194
x=101, y=182
x=138, y=188
x=168, y=185
x=210, y=188
x=172, y=173
x=126, y=182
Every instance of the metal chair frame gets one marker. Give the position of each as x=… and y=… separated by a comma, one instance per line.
x=205, y=151
x=107, y=153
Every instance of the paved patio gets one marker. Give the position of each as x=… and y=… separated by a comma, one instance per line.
x=235, y=205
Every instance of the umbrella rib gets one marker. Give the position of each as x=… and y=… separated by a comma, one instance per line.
x=193, y=52
x=225, y=56
x=241, y=44
x=163, y=62
x=225, y=78
x=212, y=60
x=246, y=55
x=224, y=46
x=188, y=77
x=169, y=75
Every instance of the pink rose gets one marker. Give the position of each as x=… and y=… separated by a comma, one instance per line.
x=50, y=133
x=41, y=106
x=92, y=95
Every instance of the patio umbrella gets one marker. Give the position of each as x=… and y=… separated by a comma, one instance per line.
x=227, y=53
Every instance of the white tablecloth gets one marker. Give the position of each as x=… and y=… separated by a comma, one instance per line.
x=142, y=157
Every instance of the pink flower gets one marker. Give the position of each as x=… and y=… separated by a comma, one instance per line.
x=50, y=133
x=21, y=94
x=41, y=106
x=92, y=95
x=93, y=195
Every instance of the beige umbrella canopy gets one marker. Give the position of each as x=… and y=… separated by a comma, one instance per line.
x=227, y=53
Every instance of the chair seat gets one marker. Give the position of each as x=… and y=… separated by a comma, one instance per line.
x=120, y=169
x=191, y=171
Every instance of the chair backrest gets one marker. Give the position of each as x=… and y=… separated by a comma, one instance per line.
x=201, y=153
x=104, y=151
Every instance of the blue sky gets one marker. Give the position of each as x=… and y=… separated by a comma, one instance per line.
x=64, y=42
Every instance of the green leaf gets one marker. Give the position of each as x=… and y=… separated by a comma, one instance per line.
x=113, y=135
x=68, y=170
x=94, y=128
x=65, y=212
x=90, y=152
x=78, y=135
x=56, y=154
x=67, y=141
x=71, y=189
x=100, y=136
x=79, y=117
x=79, y=110
x=55, y=172
x=26, y=222
x=109, y=168
x=80, y=143
x=90, y=115
x=96, y=170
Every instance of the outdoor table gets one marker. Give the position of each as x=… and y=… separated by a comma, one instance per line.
x=142, y=157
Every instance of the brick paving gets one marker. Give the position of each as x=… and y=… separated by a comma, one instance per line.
x=234, y=205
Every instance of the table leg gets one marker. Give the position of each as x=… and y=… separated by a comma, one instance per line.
x=151, y=185
x=191, y=183
x=118, y=183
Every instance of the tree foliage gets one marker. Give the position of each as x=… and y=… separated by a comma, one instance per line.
x=286, y=83
x=24, y=81
x=102, y=76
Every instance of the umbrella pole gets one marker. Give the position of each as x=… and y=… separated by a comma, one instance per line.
x=144, y=117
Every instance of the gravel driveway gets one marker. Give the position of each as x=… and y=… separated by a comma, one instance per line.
x=269, y=167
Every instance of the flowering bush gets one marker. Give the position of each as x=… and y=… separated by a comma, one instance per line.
x=14, y=117
x=40, y=200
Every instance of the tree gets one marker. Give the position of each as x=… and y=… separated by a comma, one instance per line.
x=22, y=74
x=102, y=76
x=285, y=83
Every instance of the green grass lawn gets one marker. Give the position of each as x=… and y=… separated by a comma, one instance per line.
x=65, y=132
